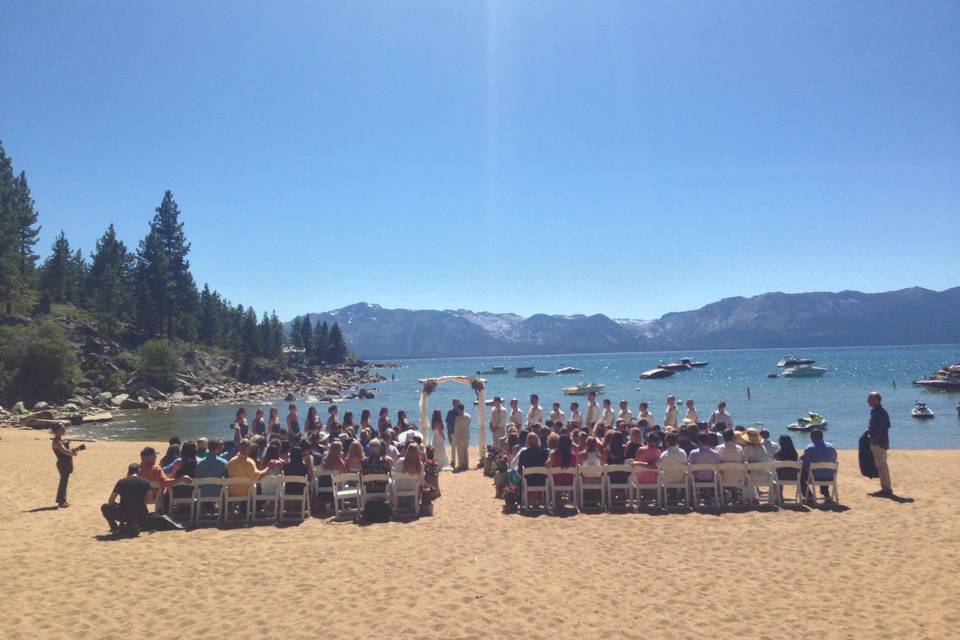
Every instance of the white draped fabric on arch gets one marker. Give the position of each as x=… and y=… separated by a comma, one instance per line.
x=478, y=385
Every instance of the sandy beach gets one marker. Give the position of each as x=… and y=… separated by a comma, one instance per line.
x=878, y=568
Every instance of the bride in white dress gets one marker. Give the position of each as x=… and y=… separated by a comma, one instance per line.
x=439, y=442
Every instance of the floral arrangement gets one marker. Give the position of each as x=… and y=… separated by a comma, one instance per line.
x=489, y=461
x=429, y=492
x=510, y=494
x=430, y=468
x=429, y=386
x=477, y=385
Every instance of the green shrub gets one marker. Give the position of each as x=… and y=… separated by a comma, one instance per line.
x=36, y=363
x=158, y=364
x=126, y=361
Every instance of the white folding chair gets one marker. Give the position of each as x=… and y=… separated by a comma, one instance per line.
x=639, y=487
x=346, y=490
x=241, y=504
x=732, y=477
x=265, y=500
x=621, y=482
x=813, y=483
x=697, y=486
x=181, y=503
x=675, y=481
x=589, y=478
x=562, y=482
x=155, y=497
x=293, y=499
x=782, y=483
x=527, y=489
x=323, y=485
x=760, y=477
x=405, y=486
x=210, y=495
x=374, y=487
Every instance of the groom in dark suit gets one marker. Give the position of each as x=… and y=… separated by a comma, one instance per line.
x=451, y=421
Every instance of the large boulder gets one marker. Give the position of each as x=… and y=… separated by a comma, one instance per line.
x=104, y=396
x=289, y=397
x=40, y=406
x=43, y=423
x=130, y=403
x=70, y=407
x=19, y=409
x=365, y=394
x=79, y=401
x=106, y=416
x=45, y=414
x=118, y=399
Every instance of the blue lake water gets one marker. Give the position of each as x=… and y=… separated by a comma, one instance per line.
x=840, y=395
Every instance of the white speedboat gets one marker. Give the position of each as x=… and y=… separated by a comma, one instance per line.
x=563, y=370
x=803, y=371
x=921, y=411
x=656, y=374
x=530, y=372
x=793, y=361
x=492, y=371
x=584, y=388
x=676, y=366
x=693, y=363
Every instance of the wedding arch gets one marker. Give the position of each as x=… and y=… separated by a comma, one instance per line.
x=479, y=388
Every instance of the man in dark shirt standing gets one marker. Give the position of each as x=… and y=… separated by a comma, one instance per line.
x=451, y=423
x=880, y=441
x=132, y=509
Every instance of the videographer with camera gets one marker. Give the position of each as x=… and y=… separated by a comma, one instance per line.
x=65, y=456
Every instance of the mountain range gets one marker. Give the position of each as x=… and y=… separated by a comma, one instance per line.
x=787, y=320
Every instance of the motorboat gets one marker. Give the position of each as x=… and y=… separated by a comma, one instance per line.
x=530, y=372
x=492, y=371
x=793, y=361
x=676, y=366
x=584, y=388
x=656, y=374
x=921, y=411
x=945, y=379
x=563, y=370
x=803, y=371
x=693, y=363
x=809, y=422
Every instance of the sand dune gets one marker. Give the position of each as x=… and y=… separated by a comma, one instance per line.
x=879, y=569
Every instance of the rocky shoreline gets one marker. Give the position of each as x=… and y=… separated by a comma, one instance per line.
x=91, y=405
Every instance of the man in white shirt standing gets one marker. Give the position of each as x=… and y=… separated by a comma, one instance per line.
x=692, y=416
x=625, y=415
x=575, y=419
x=720, y=416
x=557, y=417
x=516, y=416
x=535, y=412
x=608, y=415
x=593, y=410
x=671, y=415
x=498, y=421
x=644, y=414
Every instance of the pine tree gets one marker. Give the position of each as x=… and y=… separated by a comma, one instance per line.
x=55, y=274
x=27, y=232
x=306, y=336
x=18, y=235
x=8, y=234
x=321, y=343
x=78, y=278
x=276, y=336
x=251, y=337
x=166, y=223
x=154, y=286
x=337, y=352
x=264, y=343
x=296, y=336
x=109, y=282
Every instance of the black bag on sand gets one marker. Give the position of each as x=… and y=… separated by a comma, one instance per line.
x=156, y=522
x=868, y=465
x=377, y=511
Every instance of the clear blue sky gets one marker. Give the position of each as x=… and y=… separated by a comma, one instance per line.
x=625, y=158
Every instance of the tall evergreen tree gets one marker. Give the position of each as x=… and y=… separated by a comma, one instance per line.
x=276, y=335
x=57, y=272
x=154, y=286
x=296, y=336
x=337, y=352
x=211, y=317
x=18, y=235
x=306, y=335
x=321, y=342
x=251, y=337
x=263, y=337
x=27, y=232
x=8, y=234
x=166, y=223
x=109, y=281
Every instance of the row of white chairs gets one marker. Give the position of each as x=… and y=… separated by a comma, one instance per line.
x=619, y=486
x=211, y=500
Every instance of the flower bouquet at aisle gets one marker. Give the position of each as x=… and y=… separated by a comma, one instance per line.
x=430, y=489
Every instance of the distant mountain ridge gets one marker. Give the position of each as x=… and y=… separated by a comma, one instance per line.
x=788, y=320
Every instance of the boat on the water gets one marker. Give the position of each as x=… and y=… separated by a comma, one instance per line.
x=676, y=366
x=492, y=371
x=656, y=374
x=563, y=370
x=488, y=403
x=584, y=388
x=809, y=422
x=530, y=372
x=793, y=361
x=921, y=411
x=803, y=371
x=773, y=375
x=946, y=379
x=693, y=363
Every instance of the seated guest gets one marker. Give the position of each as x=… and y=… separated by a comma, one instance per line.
x=513, y=444
x=786, y=453
x=376, y=462
x=636, y=441
x=212, y=466
x=170, y=458
x=242, y=466
x=185, y=468
x=202, y=448
x=614, y=453
x=563, y=457
x=151, y=471
x=686, y=438
x=703, y=454
x=389, y=448
x=533, y=455
x=333, y=460
x=817, y=451
x=552, y=440
x=730, y=451
x=769, y=446
x=129, y=513
x=755, y=453
x=300, y=464
x=673, y=460
x=354, y=459
x=647, y=457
